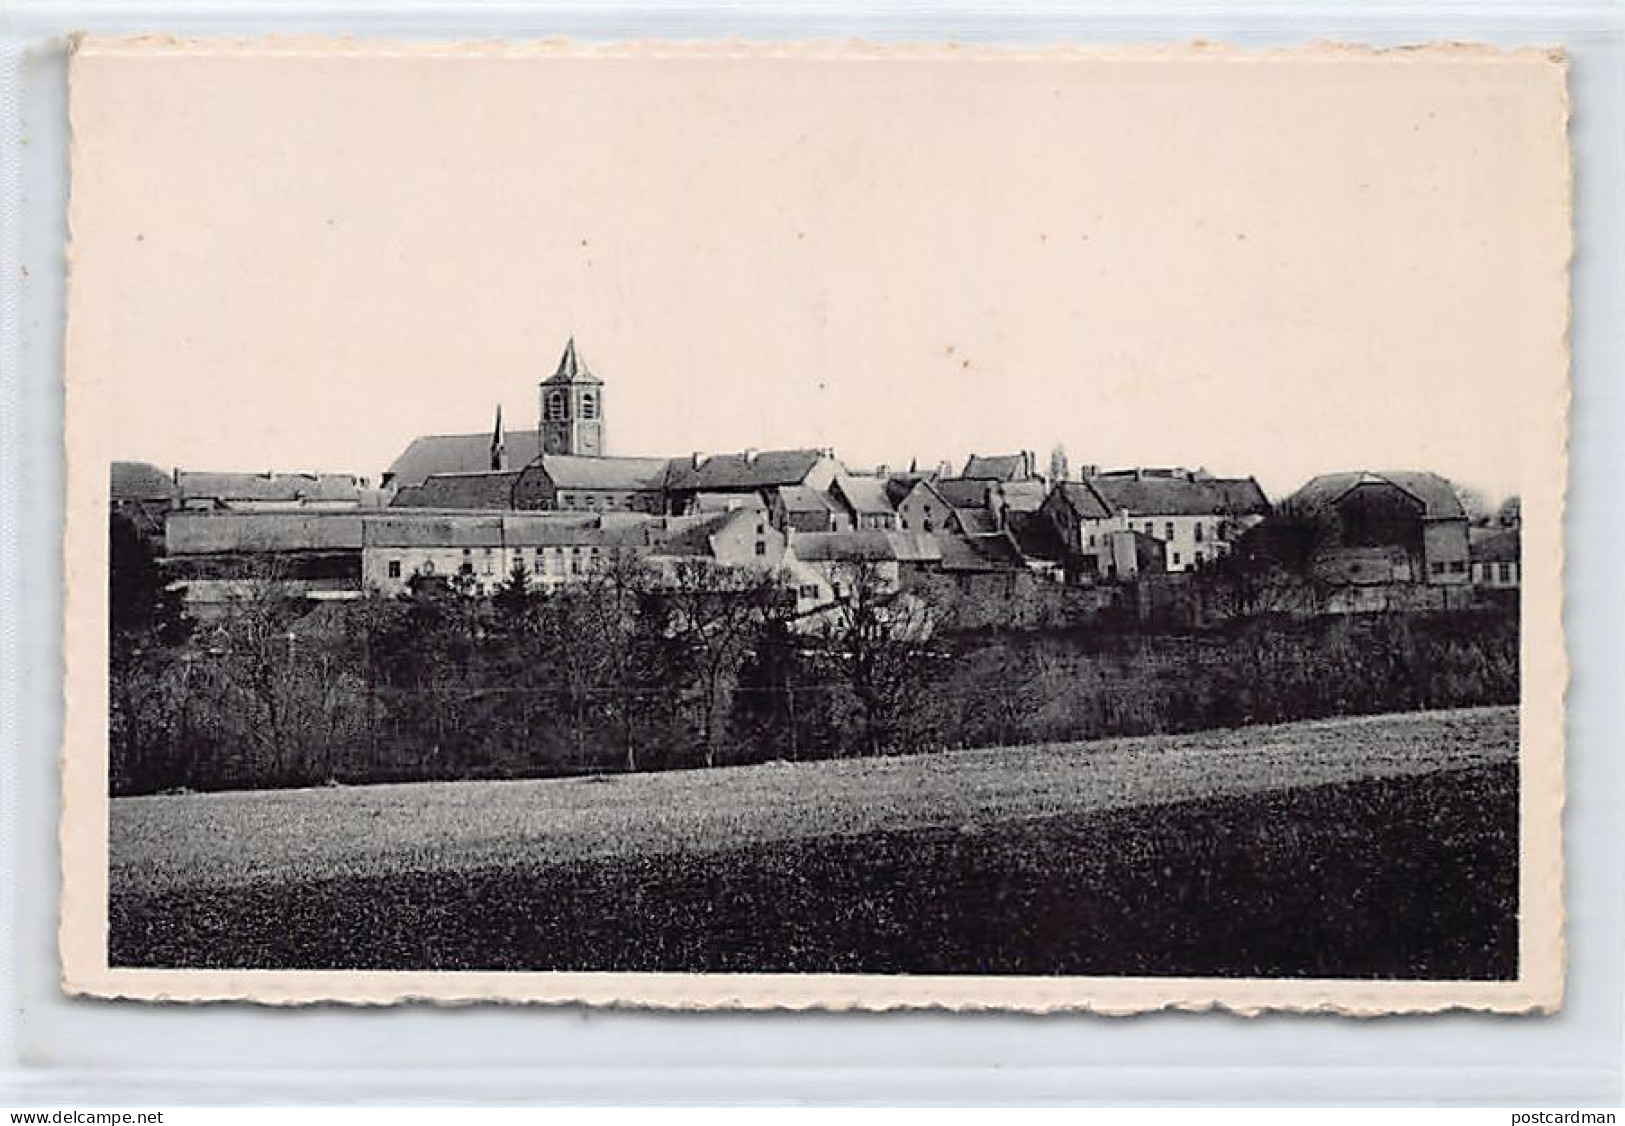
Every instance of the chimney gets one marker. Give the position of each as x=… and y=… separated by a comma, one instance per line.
x=750, y=456
x=698, y=459
x=1087, y=471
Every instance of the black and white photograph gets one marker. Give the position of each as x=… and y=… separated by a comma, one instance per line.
x=828, y=526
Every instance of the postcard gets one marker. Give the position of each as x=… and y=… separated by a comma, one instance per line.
x=819, y=525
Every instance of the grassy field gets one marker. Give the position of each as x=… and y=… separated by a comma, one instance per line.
x=1381, y=846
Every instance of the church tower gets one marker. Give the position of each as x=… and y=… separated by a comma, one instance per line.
x=573, y=408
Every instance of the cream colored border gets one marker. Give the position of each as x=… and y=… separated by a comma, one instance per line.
x=90, y=433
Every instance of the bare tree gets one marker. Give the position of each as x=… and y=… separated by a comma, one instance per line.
x=716, y=613
x=881, y=634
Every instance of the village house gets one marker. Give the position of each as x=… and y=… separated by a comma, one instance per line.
x=1370, y=528
x=1496, y=559
x=802, y=509
x=1196, y=518
x=864, y=503
x=918, y=504
x=569, y=483
x=216, y=557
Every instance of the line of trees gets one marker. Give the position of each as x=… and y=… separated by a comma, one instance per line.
x=698, y=665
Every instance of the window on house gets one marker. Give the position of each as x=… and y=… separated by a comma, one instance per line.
x=1458, y=567
x=555, y=405
x=466, y=569
x=1168, y=530
x=1091, y=541
x=468, y=551
x=575, y=566
x=589, y=405
x=1438, y=567
x=1505, y=571
x=808, y=591
x=930, y=525
x=1198, y=535
x=1149, y=527
x=394, y=568
x=1176, y=559
x=761, y=548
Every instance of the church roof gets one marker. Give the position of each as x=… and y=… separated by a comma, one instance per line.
x=458, y=453
x=571, y=368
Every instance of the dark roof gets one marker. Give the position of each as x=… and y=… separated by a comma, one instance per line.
x=1180, y=496
x=269, y=486
x=1081, y=499
x=631, y=474
x=1437, y=495
x=965, y=492
x=460, y=490
x=458, y=453
x=976, y=521
x=980, y=553
x=140, y=480
x=571, y=369
x=999, y=467
x=899, y=485
x=763, y=470
x=1036, y=537
x=1502, y=547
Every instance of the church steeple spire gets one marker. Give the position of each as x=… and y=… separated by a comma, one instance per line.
x=499, y=444
x=572, y=419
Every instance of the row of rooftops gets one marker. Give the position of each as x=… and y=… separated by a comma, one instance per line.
x=717, y=483
x=193, y=534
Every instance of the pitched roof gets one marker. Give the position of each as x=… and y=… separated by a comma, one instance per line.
x=458, y=453
x=728, y=502
x=432, y=529
x=1179, y=496
x=268, y=486
x=965, y=492
x=979, y=553
x=871, y=546
x=976, y=521
x=206, y=533
x=460, y=490
x=1437, y=496
x=1026, y=495
x=1081, y=499
x=899, y=485
x=1502, y=547
x=999, y=467
x=762, y=470
x=866, y=495
x=571, y=369
x=140, y=480
x=630, y=474
x=803, y=498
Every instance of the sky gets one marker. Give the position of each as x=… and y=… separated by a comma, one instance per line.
x=1276, y=266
